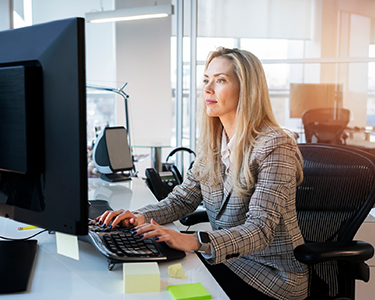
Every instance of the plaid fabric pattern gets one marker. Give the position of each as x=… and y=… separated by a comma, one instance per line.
x=254, y=237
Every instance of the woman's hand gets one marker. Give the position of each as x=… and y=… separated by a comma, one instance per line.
x=121, y=217
x=173, y=238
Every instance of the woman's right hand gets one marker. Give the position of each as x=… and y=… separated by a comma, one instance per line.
x=121, y=217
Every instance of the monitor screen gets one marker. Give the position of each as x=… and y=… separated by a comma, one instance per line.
x=111, y=152
x=120, y=156
x=43, y=149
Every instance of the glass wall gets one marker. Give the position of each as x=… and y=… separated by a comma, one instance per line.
x=322, y=47
x=300, y=43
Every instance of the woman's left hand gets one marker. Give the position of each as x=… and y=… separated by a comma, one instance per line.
x=173, y=238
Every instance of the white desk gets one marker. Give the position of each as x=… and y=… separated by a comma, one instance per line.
x=58, y=277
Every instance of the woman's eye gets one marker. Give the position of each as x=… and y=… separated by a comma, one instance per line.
x=221, y=80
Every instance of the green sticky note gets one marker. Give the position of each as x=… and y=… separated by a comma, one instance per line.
x=190, y=291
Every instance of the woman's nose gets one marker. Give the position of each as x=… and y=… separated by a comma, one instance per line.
x=208, y=88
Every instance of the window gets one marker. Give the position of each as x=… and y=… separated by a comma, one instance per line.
x=315, y=44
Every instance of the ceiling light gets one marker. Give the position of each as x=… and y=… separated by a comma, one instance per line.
x=128, y=14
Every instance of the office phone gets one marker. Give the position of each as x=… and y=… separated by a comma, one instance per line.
x=161, y=184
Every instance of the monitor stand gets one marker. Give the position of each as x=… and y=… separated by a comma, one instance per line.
x=115, y=177
x=16, y=265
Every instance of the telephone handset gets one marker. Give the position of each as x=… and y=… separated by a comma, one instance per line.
x=161, y=184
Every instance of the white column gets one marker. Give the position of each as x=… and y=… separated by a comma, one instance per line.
x=6, y=14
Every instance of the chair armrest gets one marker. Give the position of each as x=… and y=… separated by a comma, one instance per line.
x=313, y=253
x=196, y=217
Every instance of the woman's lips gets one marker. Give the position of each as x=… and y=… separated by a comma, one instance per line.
x=209, y=101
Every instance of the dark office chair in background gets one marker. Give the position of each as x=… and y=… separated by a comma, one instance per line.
x=337, y=194
x=326, y=125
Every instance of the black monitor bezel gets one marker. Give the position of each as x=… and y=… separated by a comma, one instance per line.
x=59, y=47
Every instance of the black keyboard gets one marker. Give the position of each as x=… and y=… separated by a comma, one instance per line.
x=118, y=245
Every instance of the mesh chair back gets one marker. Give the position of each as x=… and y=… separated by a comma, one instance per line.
x=326, y=124
x=336, y=195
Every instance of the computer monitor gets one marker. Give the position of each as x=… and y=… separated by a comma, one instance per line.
x=112, y=154
x=43, y=147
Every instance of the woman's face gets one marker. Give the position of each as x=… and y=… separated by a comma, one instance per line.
x=221, y=89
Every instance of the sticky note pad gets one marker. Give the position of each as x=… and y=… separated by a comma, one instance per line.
x=141, y=277
x=190, y=291
x=67, y=245
x=176, y=271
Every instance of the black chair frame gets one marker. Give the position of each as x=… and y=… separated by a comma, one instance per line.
x=328, y=197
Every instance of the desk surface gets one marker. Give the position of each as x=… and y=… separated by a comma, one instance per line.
x=362, y=144
x=59, y=277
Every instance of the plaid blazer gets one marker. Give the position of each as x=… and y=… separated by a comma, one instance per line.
x=254, y=237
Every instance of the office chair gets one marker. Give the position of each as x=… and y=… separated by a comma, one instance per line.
x=326, y=125
x=336, y=195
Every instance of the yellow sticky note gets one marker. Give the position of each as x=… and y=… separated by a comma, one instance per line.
x=176, y=271
x=141, y=277
x=67, y=245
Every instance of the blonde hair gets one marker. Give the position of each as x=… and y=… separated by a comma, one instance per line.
x=254, y=114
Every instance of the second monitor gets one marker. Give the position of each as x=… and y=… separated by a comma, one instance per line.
x=112, y=155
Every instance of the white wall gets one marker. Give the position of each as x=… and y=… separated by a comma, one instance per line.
x=4, y=15
x=136, y=52
x=100, y=49
x=143, y=60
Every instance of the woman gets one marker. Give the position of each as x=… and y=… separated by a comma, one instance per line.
x=246, y=173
